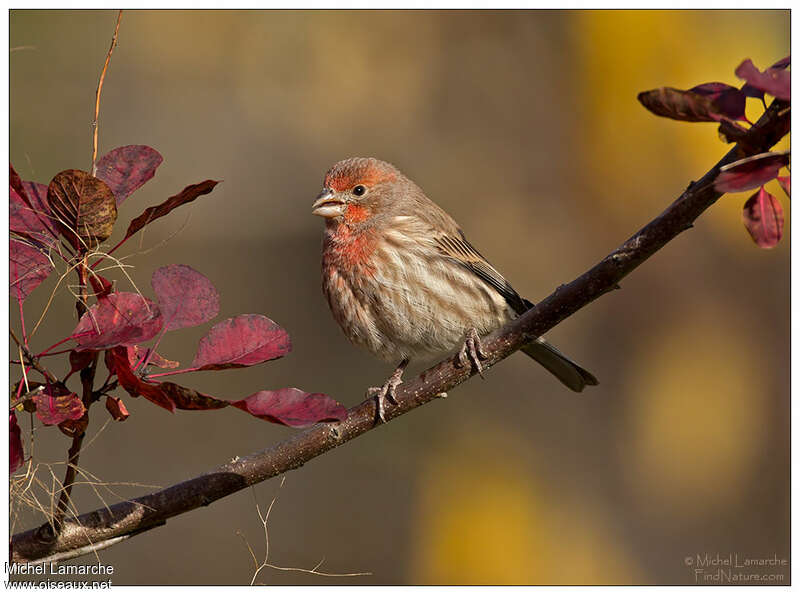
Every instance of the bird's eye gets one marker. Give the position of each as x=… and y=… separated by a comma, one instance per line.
x=359, y=190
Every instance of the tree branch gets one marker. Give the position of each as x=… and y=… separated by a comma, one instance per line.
x=154, y=509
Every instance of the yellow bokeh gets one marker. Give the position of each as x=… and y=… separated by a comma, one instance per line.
x=481, y=521
x=695, y=424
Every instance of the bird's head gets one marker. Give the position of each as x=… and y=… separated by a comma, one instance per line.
x=356, y=189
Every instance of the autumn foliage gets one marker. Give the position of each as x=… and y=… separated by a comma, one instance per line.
x=719, y=102
x=69, y=219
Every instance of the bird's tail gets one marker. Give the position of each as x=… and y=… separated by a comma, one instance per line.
x=559, y=365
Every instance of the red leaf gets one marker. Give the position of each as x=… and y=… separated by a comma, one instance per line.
x=116, y=408
x=29, y=193
x=117, y=363
x=763, y=218
x=122, y=318
x=15, y=182
x=244, y=340
x=137, y=354
x=16, y=455
x=775, y=81
x=78, y=360
x=30, y=216
x=186, y=195
x=786, y=184
x=56, y=404
x=782, y=63
x=728, y=101
x=186, y=297
x=27, y=268
x=126, y=169
x=703, y=105
x=750, y=172
x=292, y=407
x=187, y=398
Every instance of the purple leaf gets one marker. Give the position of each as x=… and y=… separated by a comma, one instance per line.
x=78, y=360
x=186, y=195
x=707, y=103
x=750, y=91
x=750, y=172
x=244, y=340
x=121, y=318
x=775, y=81
x=57, y=404
x=782, y=64
x=16, y=455
x=728, y=101
x=36, y=219
x=30, y=215
x=292, y=407
x=186, y=297
x=786, y=184
x=27, y=268
x=763, y=218
x=126, y=169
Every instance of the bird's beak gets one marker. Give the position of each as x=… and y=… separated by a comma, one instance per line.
x=327, y=205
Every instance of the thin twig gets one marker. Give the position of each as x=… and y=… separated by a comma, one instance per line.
x=87, y=382
x=154, y=509
x=264, y=518
x=22, y=323
x=95, y=123
x=31, y=359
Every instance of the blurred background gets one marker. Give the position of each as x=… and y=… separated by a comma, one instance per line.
x=524, y=125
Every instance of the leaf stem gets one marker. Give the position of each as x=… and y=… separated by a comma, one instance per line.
x=54, y=345
x=170, y=373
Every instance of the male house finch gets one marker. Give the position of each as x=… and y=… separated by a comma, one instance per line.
x=403, y=281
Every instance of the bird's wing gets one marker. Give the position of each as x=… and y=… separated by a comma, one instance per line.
x=460, y=250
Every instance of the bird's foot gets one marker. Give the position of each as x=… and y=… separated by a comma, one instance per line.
x=472, y=352
x=387, y=392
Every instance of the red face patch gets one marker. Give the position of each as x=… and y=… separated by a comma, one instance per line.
x=355, y=213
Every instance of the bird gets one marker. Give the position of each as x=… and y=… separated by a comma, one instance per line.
x=403, y=281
